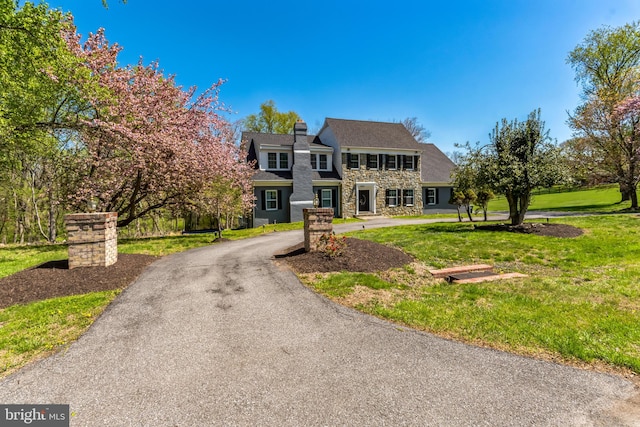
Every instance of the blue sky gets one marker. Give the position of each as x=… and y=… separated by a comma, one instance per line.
x=458, y=66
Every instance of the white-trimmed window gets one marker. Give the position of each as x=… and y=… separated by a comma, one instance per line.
x=323, y=162
x=284, y=161
x=407, y=162
x=314, y=162
x=278, y=161
x=407, y=196
x=353, y=160
x=432, y=196
x=391, y=161
x=391, y=197
x=326, y=198
x=272, y=160
x=372, y=161
x=271, y=200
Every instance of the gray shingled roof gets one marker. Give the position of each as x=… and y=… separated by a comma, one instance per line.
x=357, y=133
x=435, y=166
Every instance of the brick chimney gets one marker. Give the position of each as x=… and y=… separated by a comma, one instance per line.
x=302, y=196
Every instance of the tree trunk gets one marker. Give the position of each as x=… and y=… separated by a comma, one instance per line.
x=469, y=213
x=459, y=216
x=625, y=194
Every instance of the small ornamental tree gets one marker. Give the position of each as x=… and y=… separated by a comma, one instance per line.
x=457, y=199
x=483, y=198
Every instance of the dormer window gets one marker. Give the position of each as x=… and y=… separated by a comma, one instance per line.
x=278, y=161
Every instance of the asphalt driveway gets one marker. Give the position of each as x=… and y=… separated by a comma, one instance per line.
x=223, y=336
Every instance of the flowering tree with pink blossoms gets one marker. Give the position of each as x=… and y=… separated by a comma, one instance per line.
x=146, y=143
x=627, y=114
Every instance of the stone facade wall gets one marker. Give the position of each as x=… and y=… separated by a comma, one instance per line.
x=317, y=221
x=92, y=239
x=384, y=179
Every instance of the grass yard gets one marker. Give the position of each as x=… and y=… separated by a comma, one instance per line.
x=580, y=303
x=603, y=199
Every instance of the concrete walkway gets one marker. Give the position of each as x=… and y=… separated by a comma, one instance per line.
x=222, y=336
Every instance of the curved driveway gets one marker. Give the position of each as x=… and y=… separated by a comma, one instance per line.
x=222, y=336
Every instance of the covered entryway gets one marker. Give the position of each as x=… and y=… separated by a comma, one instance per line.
x=366, y=197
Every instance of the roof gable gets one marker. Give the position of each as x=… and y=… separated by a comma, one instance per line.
x=435, y=165
x=365, y=134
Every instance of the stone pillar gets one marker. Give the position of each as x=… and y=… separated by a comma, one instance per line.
x=317, y=221
x=92, y=239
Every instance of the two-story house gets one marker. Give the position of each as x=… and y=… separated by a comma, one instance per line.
x=355, y=167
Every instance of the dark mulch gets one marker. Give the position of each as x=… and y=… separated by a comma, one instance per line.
x=360, y=255
x=539, y=229
x=54, y=279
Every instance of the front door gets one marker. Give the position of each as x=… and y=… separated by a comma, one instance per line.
x=363, y=201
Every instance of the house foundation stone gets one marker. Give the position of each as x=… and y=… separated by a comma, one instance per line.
x=92, y=239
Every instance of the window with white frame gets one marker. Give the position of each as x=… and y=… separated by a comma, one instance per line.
x=372, y=161
x=271, y=200
x=391, y=161
x=432, y=196
x=323, y=162
x=353, y=160
x=407, y=162
x=277, y=160
x=408, y=197
x=314, y=162
x=284, y=161
x=391, y=197
x=272, y=160
x=326, y=198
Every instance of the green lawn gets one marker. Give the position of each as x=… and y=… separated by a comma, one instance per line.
x=604, y=199
x=581, y=301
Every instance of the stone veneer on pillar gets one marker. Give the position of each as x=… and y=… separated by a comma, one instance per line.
x=302, y=196
x=317, y=221
x=92, y=239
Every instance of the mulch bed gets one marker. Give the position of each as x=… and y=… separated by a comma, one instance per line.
x=539, y=229
x=54, y=279
x=359, y=256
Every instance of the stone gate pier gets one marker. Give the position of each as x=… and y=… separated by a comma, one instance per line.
x=92, y=239
x=317, y=221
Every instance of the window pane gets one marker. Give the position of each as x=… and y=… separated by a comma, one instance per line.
x=407, y=162
x=271, y=200
x=326, y=199
x=272, y=161
x=431, y=196
x=372, y=161
x=392, y=198
x=323, y=162
x=391, y=161
x=354, y=161
x=284, y=160
x=314, y=162
x=408, y=197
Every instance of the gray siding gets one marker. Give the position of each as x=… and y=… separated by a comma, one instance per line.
x=281, y=214
x=442, y=202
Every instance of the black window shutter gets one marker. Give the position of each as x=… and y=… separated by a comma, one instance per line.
x=319, y=194
x=400, y=198
x=416, y=159
x=279, y=199
x=349, y=160
x=436, y=191
x=263, y=194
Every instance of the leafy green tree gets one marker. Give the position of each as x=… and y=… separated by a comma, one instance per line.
x=457, y=199
x=483, y=198
x=519, y=158
x=607, y=65
x=270, y=120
